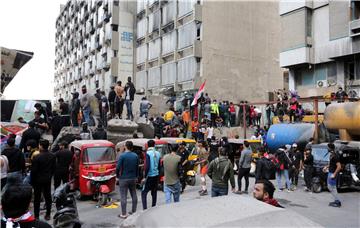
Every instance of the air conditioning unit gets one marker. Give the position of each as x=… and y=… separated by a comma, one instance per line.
x=321, y=84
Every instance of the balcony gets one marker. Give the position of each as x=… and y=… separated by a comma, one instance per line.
x=354, y=28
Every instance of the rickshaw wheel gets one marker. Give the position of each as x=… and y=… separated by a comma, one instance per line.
x=103, y=199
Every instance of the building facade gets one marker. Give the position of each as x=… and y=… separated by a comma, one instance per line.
x=180, y=44
x=320, y=45
x=94, y=45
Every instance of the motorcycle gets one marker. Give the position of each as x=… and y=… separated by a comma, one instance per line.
x=100, y=187
x=66, y=215
x=188, y=176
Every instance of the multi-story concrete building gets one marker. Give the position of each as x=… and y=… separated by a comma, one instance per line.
x=94, y=45
x=320, y=45
x=233, y=45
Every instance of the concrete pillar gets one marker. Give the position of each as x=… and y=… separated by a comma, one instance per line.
x=291, y=79
x=340, y=74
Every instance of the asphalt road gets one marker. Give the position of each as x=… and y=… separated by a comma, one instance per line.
x=311, y=205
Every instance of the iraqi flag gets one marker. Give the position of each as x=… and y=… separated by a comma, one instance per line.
x=198, y=94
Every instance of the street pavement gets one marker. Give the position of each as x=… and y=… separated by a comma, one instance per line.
x=311, y=205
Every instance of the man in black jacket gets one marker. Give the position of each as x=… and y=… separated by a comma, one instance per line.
x=15, y=157
x=56, y=125
x=129, y=98
x=111, y=99
x=75, y=108
x=100, y=133
x=42, y=170
x=29, y=134
x=63, y=160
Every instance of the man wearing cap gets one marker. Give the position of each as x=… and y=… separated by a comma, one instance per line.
x=296, y=165
x=74, y=109
x=111, y=99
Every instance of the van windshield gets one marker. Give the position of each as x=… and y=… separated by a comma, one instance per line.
x=320, y=154
x=162, y=148
x=99, y=155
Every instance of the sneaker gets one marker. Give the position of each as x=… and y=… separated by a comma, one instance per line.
x=280, y=190
x=47, y=217
x=306, y=189
x=122, y=216
x=245, y=192
x=204, y=193
x=238, y=192
x=200, y=191
x=335, y=204
x=289, y=190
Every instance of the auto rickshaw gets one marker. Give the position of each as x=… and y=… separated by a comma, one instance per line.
x=140, y=148
x=190, y=145
x=93, y=169
x=237, y=145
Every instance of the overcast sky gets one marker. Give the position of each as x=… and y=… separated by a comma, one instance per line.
x=29, y=25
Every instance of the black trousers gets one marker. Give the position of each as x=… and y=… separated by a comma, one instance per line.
x=308, y=173
x=243, y=172
x=74, y=119
x=294, y=176
x=60, y=176
x=213, y=117
x=45, y=189
x=151, y=184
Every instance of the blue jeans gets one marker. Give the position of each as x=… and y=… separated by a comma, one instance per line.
x=86, y=115
x=172, y=190
x=144, y=113
x=331, y=184
x=128, y=104
x=216, y=191
x=284, y=173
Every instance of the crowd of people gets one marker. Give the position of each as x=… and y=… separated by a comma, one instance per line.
x=38, y=168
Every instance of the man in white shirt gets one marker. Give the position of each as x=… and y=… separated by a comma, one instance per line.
x=209, y=132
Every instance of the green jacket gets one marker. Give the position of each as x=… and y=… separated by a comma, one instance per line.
x=214, y=108
x=220, y=171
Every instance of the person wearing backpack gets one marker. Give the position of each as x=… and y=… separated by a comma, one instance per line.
x=282, y=169
x=151, y=180
x=265, y=168
x=220, y=172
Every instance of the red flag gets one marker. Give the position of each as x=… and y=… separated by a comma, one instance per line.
x=198, y=94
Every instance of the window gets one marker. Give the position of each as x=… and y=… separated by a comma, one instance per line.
x=115, y=53
x=97, y=84
x=198, y=31
x=355, y=10
x=114, y=79
x=308, y=22
x=99, y=154
x=115, y=27
x=350, y=70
